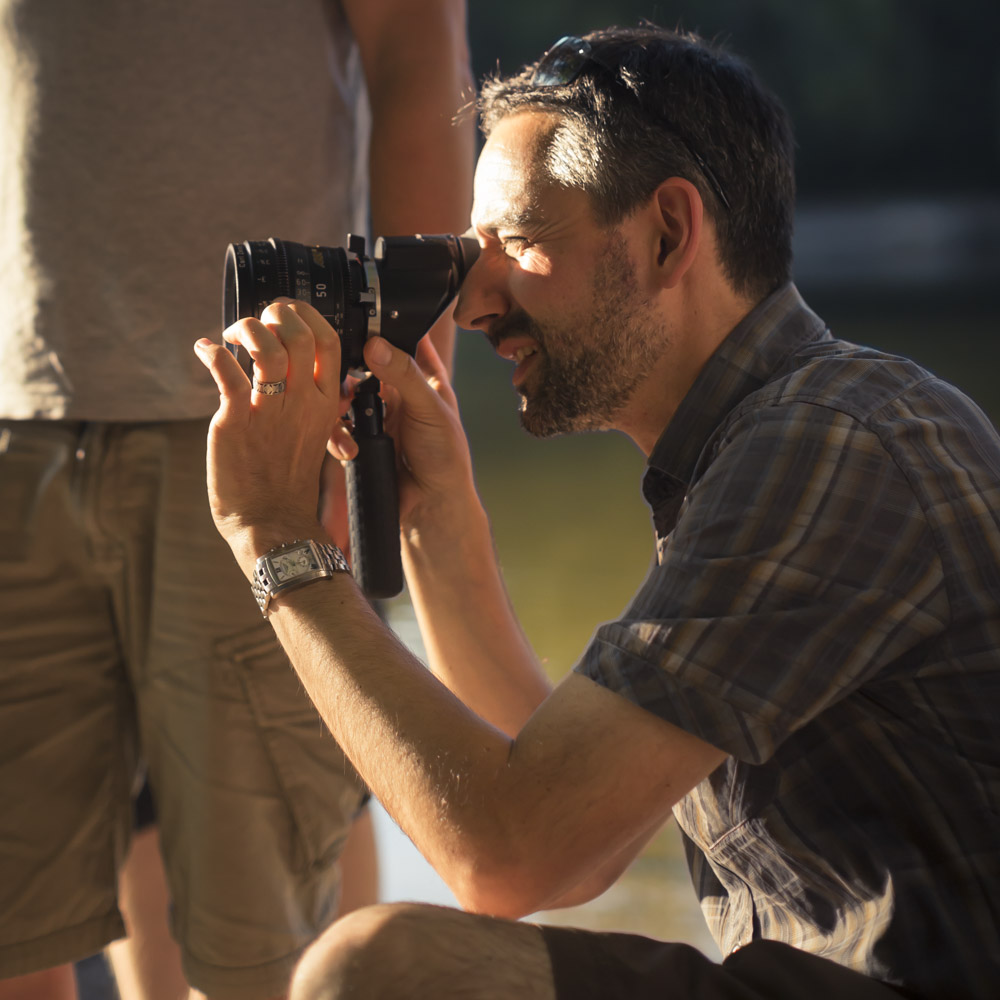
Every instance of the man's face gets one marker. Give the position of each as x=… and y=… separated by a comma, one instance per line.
x=553, y=290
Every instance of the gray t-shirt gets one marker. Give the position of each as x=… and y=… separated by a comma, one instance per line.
x=139, y=139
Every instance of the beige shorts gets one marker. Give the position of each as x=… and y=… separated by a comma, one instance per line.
x=126, y=631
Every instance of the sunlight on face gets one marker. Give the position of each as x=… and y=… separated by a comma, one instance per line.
x=569, y=283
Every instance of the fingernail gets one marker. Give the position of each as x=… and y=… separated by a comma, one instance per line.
x=379, y=351
x=201, y=345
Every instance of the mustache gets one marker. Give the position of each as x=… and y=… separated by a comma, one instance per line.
x=514, y=324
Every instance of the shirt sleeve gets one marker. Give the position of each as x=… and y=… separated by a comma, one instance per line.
x=800, y=566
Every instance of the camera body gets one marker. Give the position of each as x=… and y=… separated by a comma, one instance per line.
x=397, y=294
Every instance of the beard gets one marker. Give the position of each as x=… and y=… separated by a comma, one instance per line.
x=579, y=382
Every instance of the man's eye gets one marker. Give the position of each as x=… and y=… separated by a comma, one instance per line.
x=513, y=245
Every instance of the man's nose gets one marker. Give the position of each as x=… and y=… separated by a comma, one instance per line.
x=481, y=299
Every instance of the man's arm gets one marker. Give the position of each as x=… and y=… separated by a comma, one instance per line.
x=512, y=826
x=416, y=64
x=513, y=823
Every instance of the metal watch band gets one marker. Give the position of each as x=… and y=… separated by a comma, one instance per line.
x=292, y=565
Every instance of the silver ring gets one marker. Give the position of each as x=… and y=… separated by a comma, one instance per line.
x=269, y=388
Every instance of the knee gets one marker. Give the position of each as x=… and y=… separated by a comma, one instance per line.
x=365, y=953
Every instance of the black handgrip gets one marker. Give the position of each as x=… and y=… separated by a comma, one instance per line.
x=372, y=502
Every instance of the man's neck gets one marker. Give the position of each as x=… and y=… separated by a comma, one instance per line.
x=696, y=325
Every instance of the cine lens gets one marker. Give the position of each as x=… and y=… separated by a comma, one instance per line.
x=397, y=293
x=258, y=272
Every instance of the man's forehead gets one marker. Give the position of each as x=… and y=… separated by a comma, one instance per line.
x=510, y=176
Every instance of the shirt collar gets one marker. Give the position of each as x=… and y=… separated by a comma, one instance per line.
x=749, y=356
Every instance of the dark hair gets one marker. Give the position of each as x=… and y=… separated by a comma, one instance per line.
x=622, y=132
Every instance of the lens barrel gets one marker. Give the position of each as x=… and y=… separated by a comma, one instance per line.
x=398, y=294
x=329, y=278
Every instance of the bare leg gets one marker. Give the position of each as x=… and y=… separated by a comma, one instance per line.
x=360, y=873
x=359, y=866
x=50, y=984
x=425, y=953
x=147, y=964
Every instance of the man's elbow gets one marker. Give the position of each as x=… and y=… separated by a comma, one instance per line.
x=512, y=889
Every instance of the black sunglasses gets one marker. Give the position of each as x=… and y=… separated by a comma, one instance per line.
x=570, y=56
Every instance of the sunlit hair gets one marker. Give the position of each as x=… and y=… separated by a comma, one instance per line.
x=623, y=131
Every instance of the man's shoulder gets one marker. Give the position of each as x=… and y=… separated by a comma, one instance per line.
x=885, y=394
x=850, y=378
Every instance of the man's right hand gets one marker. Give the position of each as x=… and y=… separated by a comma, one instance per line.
x=435, y=470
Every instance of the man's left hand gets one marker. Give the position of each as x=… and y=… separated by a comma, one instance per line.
x=265, y=452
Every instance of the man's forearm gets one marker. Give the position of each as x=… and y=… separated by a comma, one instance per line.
x=476, y=804
x=473, y=641
x=427, y=757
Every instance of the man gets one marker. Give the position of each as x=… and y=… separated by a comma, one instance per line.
x=807, y=678
x=130, y=159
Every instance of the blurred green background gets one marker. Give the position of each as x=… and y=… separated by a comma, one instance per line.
x=896, y=106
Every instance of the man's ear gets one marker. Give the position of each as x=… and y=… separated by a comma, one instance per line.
x=678, y=216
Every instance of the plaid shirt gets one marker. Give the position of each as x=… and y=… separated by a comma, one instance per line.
x=826, y=608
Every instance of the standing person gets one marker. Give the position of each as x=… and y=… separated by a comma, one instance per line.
x=131, y=157
x=808, y=678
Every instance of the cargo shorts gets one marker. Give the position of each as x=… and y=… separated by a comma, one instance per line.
x=127, y=632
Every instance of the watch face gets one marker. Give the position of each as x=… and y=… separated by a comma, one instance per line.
x=286, y=565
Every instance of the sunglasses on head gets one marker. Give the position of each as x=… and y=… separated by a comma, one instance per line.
x=565, y=61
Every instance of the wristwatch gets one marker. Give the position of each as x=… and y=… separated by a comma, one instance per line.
x=292, y=565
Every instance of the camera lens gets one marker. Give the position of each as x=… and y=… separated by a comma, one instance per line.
x=329, y=278
x=398, y=294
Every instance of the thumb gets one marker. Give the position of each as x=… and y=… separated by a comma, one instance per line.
x=398, y=369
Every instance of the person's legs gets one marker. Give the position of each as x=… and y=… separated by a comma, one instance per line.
x=254, y=798
x=51, y=984
x=425, y=953
x=359, y=866
x=416, y=951
x=146, y=963
x=589, y=965
x=66, y=724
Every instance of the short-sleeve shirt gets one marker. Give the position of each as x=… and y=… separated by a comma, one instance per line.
x=825, y=607
x=138, y=141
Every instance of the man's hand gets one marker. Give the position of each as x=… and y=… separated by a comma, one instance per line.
x=435, y=470
x=265, y=452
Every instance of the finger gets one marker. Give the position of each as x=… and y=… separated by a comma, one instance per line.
x=347, y=389
x=234, y=388
x=270, y=359
x=393, y=411
x=342, y=444
x=333, y=505
x=435, y=370
x=326, y=372
x=398, y=369
x=296, y=337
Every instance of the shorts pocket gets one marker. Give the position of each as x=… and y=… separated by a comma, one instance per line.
x=321, y=789
x=29, y=461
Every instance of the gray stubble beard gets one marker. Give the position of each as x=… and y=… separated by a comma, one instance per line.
x=586, y=390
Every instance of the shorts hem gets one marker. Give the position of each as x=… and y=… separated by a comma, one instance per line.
x=61, y=947
x=258, y=982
